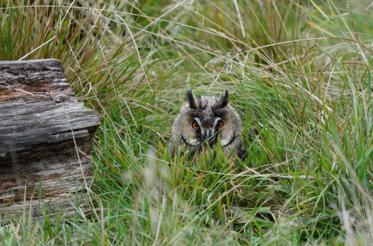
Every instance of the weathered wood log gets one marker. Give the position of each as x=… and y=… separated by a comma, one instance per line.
x=45, y=140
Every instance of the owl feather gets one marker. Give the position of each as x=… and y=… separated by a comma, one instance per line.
x=207, y=121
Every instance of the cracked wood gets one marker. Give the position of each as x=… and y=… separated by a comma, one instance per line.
x=45, y=138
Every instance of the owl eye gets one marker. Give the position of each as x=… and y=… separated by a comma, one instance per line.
x=195, y=125
x=220, y=124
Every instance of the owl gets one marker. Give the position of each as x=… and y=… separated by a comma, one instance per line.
x=207, y=121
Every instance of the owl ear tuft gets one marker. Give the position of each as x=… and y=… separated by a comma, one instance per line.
x=191, y=99
x=223, y=101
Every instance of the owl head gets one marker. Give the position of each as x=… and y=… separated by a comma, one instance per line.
x=207, y=120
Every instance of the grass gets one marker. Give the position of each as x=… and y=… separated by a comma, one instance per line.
x=298, y=71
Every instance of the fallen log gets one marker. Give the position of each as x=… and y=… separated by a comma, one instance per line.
x=45, y=140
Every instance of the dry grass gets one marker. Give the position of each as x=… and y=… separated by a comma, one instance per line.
x=298, y=71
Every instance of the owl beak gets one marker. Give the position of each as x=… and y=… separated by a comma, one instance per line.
x=209, y=137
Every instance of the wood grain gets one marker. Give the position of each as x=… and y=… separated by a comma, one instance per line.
x=45, y=140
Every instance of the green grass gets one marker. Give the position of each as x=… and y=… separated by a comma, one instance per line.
x=298, y=71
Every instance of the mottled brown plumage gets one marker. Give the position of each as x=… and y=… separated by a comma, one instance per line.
x=207, y=120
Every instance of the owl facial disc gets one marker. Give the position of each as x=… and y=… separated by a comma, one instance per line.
x=207, y=120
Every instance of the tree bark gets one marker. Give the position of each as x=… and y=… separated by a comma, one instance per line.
x=45, y=140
